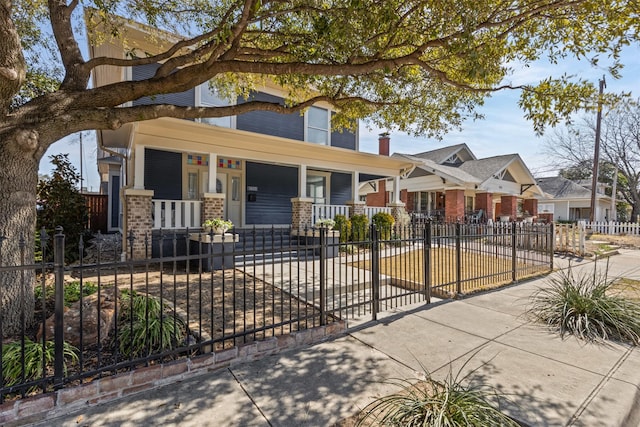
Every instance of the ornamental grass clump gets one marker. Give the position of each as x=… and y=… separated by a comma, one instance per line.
x=587, y=306
x=449, y=403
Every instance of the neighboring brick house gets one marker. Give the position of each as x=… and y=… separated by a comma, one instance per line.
x=564, y=200
x=256, y=169
x=451, y=184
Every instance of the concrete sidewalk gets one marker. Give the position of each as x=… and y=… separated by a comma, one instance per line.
x=550, y=382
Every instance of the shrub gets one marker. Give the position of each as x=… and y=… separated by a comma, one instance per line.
x=384, y=223
x=60, y=203
x=148, y=326
x=343, y=225
x=34, y=355
x=359, y=227
x=584, y=305
x=439, y=404
x=71, y=292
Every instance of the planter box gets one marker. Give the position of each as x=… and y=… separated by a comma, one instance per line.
x=312, y=238
x=216, y=253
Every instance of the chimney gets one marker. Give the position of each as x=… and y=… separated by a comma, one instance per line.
x=383, y=144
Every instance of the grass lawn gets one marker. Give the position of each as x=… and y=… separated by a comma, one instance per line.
x=628, y=287
x=478, y=270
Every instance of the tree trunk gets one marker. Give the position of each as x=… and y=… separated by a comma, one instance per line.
x=18, y=181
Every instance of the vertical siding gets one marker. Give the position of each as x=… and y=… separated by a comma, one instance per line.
x=276, y=185
x=270, y=123
x=340, y=188
x=163, y=174
x=183, y=99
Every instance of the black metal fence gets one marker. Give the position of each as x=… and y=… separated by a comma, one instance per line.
x=194, y=293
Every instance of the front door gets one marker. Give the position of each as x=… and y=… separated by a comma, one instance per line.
x=230, y=183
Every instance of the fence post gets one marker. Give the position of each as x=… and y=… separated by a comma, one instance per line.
x=427, y=261
x=323, y=273
x=375, y=272
x=458, y=259
x=58, y=268
x=552, y=242
x=514, y=253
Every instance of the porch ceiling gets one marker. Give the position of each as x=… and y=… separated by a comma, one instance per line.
x=182, y=135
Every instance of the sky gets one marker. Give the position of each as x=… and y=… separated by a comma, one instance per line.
x=503, y=130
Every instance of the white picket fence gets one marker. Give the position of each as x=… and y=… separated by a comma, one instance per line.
x=614, y=228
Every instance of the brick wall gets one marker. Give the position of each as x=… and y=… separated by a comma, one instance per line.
x=301, y=213
x=454, y=205
x=139, y=221
x=43, y=406
x=530, y=206
x=484, y=201
x=379, y=198
x=213, y=206
x=509, y=206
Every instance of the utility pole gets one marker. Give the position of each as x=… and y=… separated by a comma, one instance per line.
x=596, y=153
x=81, y=155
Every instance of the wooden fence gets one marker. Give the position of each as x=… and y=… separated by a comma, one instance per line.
x=98, y=206
x=570, y=238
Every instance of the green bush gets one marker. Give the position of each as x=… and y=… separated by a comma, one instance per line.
x=71, y=291
x=343, y=225
x=147, y=326
x=585, y=305
x=61, y=204
x=359, y=227
x=35, y=353
x=384, y=223
x=441, y=404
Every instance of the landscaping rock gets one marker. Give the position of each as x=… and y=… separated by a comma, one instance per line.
x=96, y=316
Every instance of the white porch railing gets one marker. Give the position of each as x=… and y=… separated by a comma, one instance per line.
x=176, y=214
x=328, y=211
x=615, y=228
x=370, y=211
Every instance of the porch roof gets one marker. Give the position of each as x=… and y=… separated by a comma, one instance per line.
x=186, y=136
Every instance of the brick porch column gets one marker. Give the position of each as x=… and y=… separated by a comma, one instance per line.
x=356, y=208
x=484, y=201
x=509, y=206
x=138, y=210
x=531, y=206
x=213, y=206
x=453, y=205
x=301, y=213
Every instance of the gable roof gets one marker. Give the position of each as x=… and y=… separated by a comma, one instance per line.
x=450, y=173
x=441, y=154
x=562, y=188
x=486, y=168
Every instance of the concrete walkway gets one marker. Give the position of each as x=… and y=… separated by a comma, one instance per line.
x=550, y=382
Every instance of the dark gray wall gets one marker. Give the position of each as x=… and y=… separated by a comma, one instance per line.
x=340, y=188
x=270, y=123
x=163, y=174
x=276, y=185
x=183, y=99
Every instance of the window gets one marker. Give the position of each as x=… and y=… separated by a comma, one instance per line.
x=317, y=125
x=468, y=203
x=317, y=187
x=208, y=98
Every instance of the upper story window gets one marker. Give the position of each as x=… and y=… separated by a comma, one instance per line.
x=206, y=97
x=318, y=125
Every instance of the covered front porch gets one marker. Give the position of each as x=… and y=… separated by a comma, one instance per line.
x=183, y=173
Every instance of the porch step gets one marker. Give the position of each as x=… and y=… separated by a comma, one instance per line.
x=268, y=245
